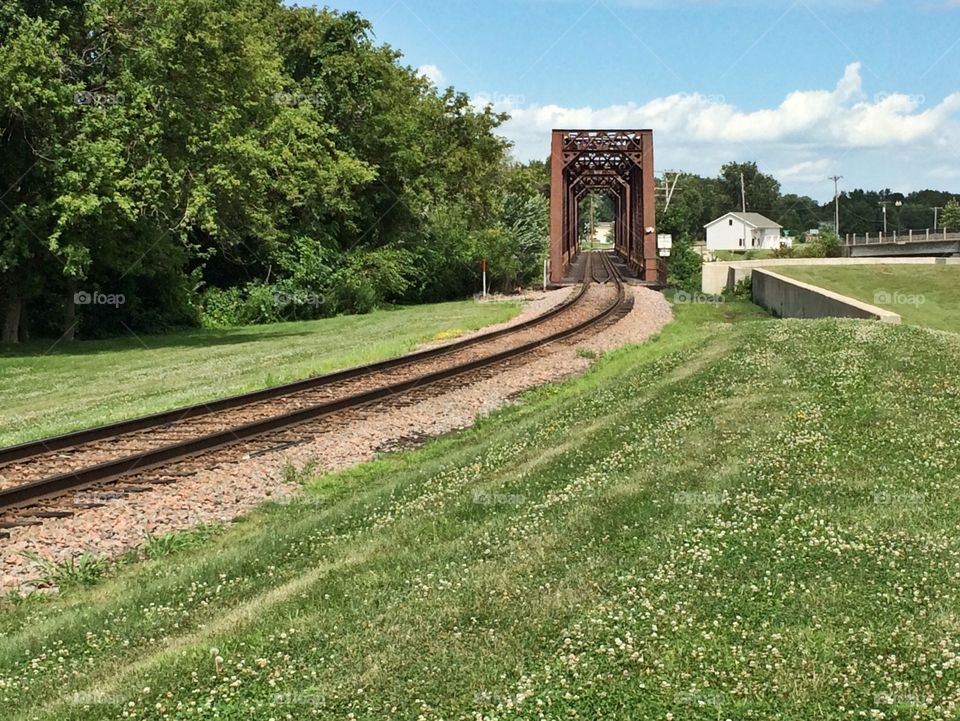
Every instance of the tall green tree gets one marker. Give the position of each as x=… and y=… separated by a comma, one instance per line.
x=167, y=149
x=762, y=190
x=798, y=213
x=951, y=216
x=36, y=125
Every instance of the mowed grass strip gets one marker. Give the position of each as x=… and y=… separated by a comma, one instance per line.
x=742, y=518
x=927, y=295
x=47, y=389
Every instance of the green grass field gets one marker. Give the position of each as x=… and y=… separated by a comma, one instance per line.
x=752, y=254
x=743, y=518
x=926, y=295
x=47, y=390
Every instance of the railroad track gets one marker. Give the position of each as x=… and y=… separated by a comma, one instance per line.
x=136, y=455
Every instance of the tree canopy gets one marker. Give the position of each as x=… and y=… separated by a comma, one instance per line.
x=698, y=200
x=951, y=216
x=229, y=161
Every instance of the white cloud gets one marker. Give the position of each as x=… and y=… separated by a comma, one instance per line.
x=841, y=117
x=699, y=132
x=806, y=171
x=431, y=73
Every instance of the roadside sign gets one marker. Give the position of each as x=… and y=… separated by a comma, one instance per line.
x=664, y=240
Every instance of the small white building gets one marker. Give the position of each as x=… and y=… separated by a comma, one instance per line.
x=744, y=231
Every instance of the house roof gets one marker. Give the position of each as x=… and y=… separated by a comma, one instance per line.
x=753, y=219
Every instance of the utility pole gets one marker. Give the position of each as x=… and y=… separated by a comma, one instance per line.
x=669, y=189
x=936, y=210
x=743, y=200
x=836, y=202
x=883, y=204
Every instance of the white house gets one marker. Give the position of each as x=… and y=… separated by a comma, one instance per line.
x=743, y=231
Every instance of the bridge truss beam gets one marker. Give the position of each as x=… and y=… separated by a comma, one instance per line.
x=620, y=164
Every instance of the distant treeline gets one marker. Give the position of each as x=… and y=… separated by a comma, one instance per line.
x=166, y=163
x=699, y=200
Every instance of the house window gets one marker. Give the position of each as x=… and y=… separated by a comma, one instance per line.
x=741, y=243
x=731, y=222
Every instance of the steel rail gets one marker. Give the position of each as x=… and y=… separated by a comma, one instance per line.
x=29, y=493
x=42, y=446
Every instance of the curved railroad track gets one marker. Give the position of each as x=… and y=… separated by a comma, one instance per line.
x=160, y=447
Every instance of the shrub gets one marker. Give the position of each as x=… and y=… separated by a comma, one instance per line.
x=370, y=278
x=251, y=304
x=743, y=290
x=826, y=245
x=220, y=307
x=526, y=222
x=685, y=266
x=829, y=243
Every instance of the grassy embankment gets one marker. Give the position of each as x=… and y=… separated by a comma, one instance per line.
x=47, y=390
x=752, y=254
x=927, y=295
x=743, y=518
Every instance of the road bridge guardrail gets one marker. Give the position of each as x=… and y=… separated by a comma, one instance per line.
x=899, y=237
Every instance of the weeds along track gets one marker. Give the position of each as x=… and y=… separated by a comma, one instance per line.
x=134, y=455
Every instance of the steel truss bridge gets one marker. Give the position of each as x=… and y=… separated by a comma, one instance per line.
x=618, y=163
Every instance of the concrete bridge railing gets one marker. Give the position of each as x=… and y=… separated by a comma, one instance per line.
x=908, y=236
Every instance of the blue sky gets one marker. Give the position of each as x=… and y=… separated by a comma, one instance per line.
x=868, y=89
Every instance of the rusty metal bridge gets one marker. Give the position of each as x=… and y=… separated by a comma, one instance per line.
x=618, y=163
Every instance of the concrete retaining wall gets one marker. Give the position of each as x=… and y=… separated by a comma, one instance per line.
x=789, y=298
x=719, y=276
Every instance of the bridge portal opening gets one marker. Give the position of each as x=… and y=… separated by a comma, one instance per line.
x=597, y=228
x=613, y=163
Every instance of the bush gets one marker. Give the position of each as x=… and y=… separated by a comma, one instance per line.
x=504, y=266
x=826, y=245
x=251, y=304
x=220, y=307
x=370, y=278
x=829, y=242
x=448, y=261
x=783, y=251
x=364, y=281
x=526, y=221
x=685, y=266
x=743, y=290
